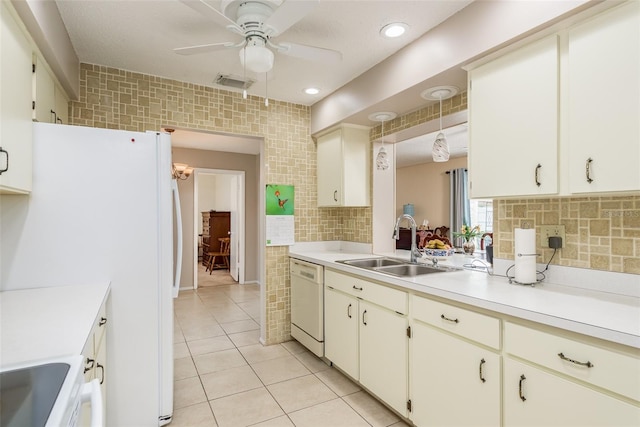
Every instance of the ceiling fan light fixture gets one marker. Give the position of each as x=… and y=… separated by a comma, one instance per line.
x=256, y=58
x=393, y=30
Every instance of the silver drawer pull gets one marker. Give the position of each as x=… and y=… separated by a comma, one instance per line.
x=520, y=393
x=357, y=288
x=587, y=363
x=443, y=317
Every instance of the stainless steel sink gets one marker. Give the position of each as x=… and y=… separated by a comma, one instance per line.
x=411, y=270
x=395, y=267
x=372, y=262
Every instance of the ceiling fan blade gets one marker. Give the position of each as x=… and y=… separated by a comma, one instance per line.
x=212, y=13
x=288, y=13
x=311, y=53
x=204, y=48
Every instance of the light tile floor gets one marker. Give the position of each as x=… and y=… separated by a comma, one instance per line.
x=224, y=377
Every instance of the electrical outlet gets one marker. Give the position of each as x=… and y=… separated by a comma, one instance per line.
x=547, y=231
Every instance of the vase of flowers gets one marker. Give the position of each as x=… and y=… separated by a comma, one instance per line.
x=468, y=234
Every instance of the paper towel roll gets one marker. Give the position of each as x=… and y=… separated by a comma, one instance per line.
x=525, y=255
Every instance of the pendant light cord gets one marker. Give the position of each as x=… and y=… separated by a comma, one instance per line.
x=440, y=113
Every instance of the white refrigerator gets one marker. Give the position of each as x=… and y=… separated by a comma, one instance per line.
x=103, y=208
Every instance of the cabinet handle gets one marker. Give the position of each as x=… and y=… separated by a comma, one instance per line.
x=443, y=317
x=55, y=116
x=103, y=321
x=88, y=365
x=538, y=175
x=482, y=362
x=101, y=367
x=6, y=168
x=588, y=167
x=357, y=288
x=364, y=320
x=349, y=311
x=335, y=196
x=522, y=378
x=587, y=363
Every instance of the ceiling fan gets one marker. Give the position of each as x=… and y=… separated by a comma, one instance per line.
x=258, y=21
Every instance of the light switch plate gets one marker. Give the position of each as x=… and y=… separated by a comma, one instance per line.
x=547, y=231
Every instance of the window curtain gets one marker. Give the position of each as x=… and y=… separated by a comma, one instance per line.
x=459, y=210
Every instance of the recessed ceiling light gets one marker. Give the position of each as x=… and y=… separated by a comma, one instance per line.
x=312, y=91
x=439, y=92
x=395, y=29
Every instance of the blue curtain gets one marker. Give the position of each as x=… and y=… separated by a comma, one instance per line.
x=459, y=210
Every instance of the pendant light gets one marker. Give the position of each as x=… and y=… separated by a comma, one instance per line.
x=382, y=159
x=440, y=149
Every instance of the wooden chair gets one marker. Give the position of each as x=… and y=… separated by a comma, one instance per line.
x=442, y=231
x=222, y=256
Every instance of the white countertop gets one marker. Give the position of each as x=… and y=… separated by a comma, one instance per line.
x=47, y=322
x=608, y=316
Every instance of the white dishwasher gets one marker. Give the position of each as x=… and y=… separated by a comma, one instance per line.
x=307, y=305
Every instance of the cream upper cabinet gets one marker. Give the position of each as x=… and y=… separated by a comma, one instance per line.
x=344, y=167
x=15, y=105
x=604, y=102
x=513, y=119
x=50, y=102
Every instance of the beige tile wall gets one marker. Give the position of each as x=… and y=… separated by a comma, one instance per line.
x=118, y=99
x=602, y=233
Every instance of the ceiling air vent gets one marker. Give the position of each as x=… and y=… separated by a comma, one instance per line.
x=233, y=81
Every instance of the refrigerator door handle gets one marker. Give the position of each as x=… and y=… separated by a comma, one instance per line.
x=178, y=219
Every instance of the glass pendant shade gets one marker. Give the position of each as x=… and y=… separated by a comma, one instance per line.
x=382, y=161
x=440, y=150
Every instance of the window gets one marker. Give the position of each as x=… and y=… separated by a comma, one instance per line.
x=482, y=214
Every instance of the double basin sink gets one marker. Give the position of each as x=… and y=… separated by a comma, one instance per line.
x=395, y=267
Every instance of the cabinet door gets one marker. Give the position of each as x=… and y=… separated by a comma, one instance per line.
x=448, y=374
x=341, y=330
x=44, y=94
x=383, y=354
x=604, y=102
x=15, y=105
x=533, y=397
x=330, y=158
x=513, y=118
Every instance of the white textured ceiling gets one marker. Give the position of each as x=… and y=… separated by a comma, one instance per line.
x=140, y=35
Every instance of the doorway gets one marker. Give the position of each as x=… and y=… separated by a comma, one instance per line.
x=222, y=191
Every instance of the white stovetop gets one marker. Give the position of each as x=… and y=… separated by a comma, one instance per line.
x=602, y=315
x=43, y=323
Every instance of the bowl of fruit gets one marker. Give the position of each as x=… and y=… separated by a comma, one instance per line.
x=438, y=248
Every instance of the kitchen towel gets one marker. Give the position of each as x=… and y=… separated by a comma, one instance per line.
x=525, y=255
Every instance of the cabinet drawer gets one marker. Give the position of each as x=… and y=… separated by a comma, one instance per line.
x=390, y=298
x=467, y=324
x=614, y=371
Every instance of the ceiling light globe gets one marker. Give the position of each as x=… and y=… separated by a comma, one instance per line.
x=258, y=59
x=440, y=150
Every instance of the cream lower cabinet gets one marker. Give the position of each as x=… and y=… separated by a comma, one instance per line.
x=553, y=380
x=95, y=357
x=454, y=366
x=533, y=397
x=341, y=331
x=383, y=354
x=366, y=335
x=453, y=382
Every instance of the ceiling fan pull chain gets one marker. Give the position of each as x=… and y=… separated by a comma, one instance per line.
x=266, y=90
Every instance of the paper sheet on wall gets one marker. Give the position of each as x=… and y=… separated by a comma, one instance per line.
x=280, y=223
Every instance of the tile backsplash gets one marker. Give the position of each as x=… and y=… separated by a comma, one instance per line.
x=602, y=233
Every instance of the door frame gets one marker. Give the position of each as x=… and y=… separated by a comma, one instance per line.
x=239, y=234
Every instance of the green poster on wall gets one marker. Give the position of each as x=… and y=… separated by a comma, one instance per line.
x=280, y=219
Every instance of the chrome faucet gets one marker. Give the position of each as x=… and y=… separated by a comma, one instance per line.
x=415, y=253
